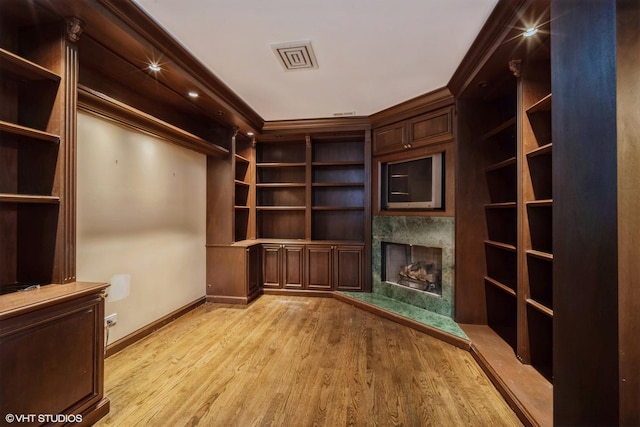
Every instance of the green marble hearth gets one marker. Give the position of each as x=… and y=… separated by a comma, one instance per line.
x=410, y=311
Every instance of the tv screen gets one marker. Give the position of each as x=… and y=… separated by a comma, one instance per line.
x=414, y=184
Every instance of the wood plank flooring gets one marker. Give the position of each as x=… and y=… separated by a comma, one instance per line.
x=297, y=361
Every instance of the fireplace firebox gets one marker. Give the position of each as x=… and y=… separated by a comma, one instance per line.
x=412, y=266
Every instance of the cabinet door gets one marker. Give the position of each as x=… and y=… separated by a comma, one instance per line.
x=68, y=337
x=432, y=128
x=347, y=268
x=389, y=139
x=319, y=267
x=271, y=263
x=293, y=266
x=253, y=271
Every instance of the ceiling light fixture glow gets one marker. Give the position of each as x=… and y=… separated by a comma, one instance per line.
x=193, y=94
x=155, y=67
x=530, y=32
x=249, y=133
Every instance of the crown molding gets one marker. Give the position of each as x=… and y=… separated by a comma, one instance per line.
x=413, y=107
x=489, y=38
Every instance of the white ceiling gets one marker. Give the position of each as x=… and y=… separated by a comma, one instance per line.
x=372, y=54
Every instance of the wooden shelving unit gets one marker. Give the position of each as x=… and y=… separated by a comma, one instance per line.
x=36, y=216
x=504, y=229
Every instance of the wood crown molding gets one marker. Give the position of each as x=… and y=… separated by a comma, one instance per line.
x=101, y=105
x=136, y=19
x=414, y=107
x=488, y=40
x=316, y=125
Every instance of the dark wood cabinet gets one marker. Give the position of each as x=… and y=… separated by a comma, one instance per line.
x=348, y=268
x=52, y=352
x=233, y=273
x=283, y=266
x=320, y=267
x=431, y=128
x=335, y=267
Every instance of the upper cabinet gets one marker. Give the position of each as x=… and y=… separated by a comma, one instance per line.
x=431, y=128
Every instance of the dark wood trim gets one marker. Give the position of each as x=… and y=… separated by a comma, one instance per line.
x=93, y=414
x=422, y=104
x=315, y=125
x=298, y=292
x=135, y=18
x=101, y=105
x=223, y=299
x=436, y=333
x=489, y=38
x=135, y=336
x=526, y=391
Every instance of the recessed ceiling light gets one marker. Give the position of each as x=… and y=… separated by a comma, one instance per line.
x=530, y=32
x=193, y=94
x=249, y=133
x=155, y=67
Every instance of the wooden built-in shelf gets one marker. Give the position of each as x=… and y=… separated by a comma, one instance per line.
x=499, y=245
x=280, y=185
x=103, y=105
x=540, y=203
x=345, y=163
x=242, y=159
x=241, y=207
x=14, y=129
x=542, y=105
x=246, y=184
x=540, y=307
x=511, y=161
x=337, y=208
x=28, y=198
x=542, y=255
x=280, y=208
x=503, y=205
x=338, y=184
x=541, y=151
x=25, y=69
x=500, y=128
x=280, y=165
x=500, y=286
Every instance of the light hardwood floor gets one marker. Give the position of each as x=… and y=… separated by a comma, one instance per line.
x=297, y=361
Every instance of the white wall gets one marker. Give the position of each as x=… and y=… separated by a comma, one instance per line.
x=141, y=211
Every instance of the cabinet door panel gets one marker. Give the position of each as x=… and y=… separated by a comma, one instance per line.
x=253, y=273
x=348, y=265
x=320, y=275
x=293, y=267
x=431, y=128
x=69, y=337
x=271, y=266
x=389, y=139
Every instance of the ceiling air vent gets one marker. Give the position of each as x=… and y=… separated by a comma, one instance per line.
x=295, y=55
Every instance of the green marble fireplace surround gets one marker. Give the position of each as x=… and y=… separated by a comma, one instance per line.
x=435, y=232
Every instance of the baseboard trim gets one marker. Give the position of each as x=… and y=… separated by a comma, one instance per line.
x=298, y=292
x=429, y=330
x=126, y=341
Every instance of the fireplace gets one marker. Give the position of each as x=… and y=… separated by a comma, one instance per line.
x=412, y=266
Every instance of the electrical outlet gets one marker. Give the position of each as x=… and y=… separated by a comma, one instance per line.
x=111, y=320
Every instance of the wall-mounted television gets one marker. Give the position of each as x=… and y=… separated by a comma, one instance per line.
x=413, y=184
